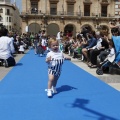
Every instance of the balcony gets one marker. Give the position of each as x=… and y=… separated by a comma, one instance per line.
x=65, y=14
x=87, y=2
x=105, y=2
x=103, y=15
x=70, y=1
x=54, y=1
x=10, y=14
x=53, y=13
x=87, y=14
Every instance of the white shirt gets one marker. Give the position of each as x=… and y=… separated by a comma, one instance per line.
x=6, y=47
x=112, y=52
x=58, y=36
x=98, y=45
x=12, y=39
x=43, y=43
x=55, y=56
x=21, y=48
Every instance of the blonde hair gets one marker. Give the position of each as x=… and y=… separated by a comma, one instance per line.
x=50, y=41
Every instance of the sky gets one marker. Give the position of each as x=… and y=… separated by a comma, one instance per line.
x=18, y=3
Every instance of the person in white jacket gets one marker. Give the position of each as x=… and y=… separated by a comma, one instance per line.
x=58, y=37
x=6, y=48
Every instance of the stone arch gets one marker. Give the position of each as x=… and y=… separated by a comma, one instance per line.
x=52, y=29
x=88, y=26
x=70, y=28
x=34, y=27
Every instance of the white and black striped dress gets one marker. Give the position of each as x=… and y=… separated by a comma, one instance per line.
x=55, y=65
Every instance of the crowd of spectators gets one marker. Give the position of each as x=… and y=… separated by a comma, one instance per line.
x=12, y=44
x=91, y=47
x=87, y=45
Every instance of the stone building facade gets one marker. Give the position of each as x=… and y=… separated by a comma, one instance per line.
x=117, y=8
x=10, y=16
x=66, y=15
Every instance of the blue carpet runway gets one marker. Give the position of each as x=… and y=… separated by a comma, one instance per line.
x=80, y=95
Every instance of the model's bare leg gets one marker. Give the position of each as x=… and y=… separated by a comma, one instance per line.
x=85, y=53
x=50, y=81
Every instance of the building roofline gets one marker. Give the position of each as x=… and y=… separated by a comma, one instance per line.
x=8, y=5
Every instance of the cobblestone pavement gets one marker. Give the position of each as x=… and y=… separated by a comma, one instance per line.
x=112, y=80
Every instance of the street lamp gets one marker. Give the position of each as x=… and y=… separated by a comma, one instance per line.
x=44, y=26
x=62, y=19
x=25, y=18
x=79, y=19
x=34, y=11
x=62, y=9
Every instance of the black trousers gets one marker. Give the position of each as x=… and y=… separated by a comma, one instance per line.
x=10, y=61
x=93, y=56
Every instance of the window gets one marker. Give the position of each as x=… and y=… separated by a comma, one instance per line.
x=10, y=19
x=86, y=10
x=34, y=7
x=7, y=19
x=1, y=18
x=53, y=9
x=7, y=12
x=104, y=11
x=116, y=13
x=70, y=9
x=1, y=10
x=10, y=27
x=116, y=6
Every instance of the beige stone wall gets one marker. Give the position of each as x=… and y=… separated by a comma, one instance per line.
x=24, y=5
x=95, y=8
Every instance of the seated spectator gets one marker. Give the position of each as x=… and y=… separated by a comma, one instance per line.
x=66, y=44
x=106, y=51
x=21, y=48
x=6, y=48
x=84, y=31
x=91, y=43
x=16, y=44
x=110, y=56
x=81, y=44
x=71, y=46
x=107, y=62
x=115, y=28
x=95, y=50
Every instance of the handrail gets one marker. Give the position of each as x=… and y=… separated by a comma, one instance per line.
x=67, y=14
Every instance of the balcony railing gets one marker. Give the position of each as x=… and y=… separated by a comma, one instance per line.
x=53, y=13
x=103, y=15
x=87, y=14
x=67, y=14
x=10, y=14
